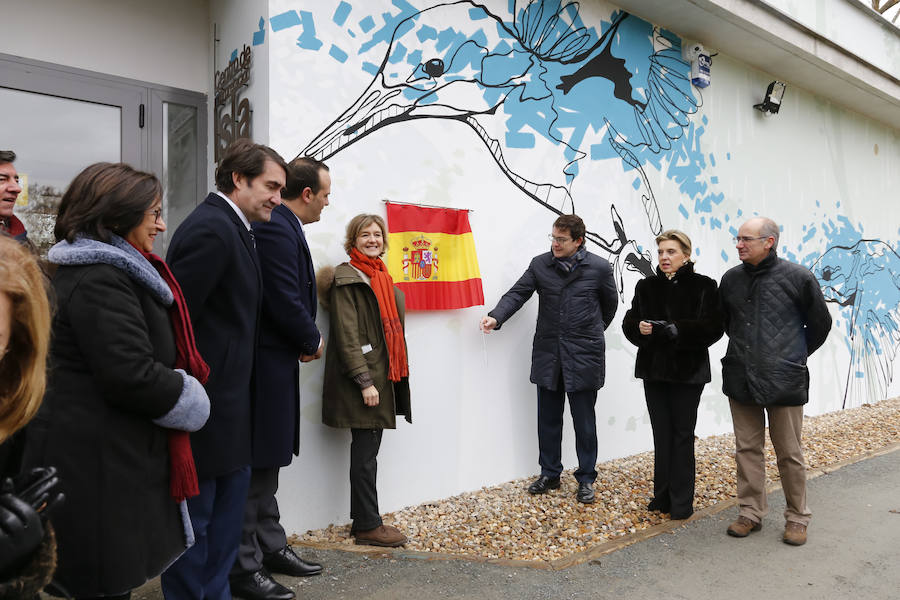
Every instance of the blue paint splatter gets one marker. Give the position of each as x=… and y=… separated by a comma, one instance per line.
x=337, y=54
x=426, y=32
x=636, y=184
x=233, y=55
x=683, y=211
x=724, y=257
x=370, y=68
x=260, y=36
x=308, y=39
x=284, y=20
x=350, y=33
x=367, y=24
x=341, y=13
x=398, y=53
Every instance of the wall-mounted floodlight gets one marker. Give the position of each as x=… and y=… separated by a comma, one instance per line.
x=774, y=94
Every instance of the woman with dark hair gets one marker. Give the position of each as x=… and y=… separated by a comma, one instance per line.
x=124, y=387
x=674, y=318
x=366, y=370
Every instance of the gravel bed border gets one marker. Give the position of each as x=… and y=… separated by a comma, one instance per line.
x=503, y=524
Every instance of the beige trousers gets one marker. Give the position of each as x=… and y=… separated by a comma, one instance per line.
x=785, y=427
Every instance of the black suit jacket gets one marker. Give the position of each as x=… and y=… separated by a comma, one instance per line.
x=214, y=261
x=287, y=330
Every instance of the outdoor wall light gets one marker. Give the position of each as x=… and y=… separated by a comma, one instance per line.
x=774, y=94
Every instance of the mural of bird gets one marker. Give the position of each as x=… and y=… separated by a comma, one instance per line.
x=544, y=93
x=865, y=279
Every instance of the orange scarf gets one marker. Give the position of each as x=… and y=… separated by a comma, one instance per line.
x=383, y=286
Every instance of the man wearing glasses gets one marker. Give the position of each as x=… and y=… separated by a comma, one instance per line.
x=775, y=317
x=577, y=302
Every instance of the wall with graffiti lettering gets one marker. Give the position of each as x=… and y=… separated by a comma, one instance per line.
x=518, y=111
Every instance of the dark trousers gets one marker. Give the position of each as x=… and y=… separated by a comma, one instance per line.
x=201, y=573
x=363, y=475
x=262, y=532
x=551, y=404
x=673, y=415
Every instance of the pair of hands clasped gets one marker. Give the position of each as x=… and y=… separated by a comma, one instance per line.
x=317, y=355
x=667, y=328
x=25, y=502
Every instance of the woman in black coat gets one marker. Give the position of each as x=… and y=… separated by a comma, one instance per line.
x=673, y=319
x=115, y=407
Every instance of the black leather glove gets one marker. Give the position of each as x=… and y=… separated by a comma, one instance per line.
x=39, y=488
x=21, y=533
x=666, y=328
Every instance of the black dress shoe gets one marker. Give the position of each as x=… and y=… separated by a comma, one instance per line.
x=259, y=586
x=542, y=485
x=287, y=562
x=585, y=492
x=659, y=504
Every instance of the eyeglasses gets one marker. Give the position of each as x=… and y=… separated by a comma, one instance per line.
x=157, y=214
x=558, y=240
x=746, y=239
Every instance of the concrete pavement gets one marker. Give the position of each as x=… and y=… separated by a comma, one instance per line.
x=852, y=553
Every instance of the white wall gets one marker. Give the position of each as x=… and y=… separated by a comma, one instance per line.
x=810, y=168
x=163, y=42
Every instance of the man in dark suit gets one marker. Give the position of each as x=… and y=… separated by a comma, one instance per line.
x=213, y=256
x=578, y=300
x=287, y=334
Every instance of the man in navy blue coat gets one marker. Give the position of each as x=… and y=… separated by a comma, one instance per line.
x=213, y=257
x=578, y=300
x=287, y=334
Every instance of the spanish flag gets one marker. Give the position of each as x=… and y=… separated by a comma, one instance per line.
x=431, y=257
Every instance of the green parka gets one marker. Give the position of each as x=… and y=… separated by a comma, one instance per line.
x=355, y=327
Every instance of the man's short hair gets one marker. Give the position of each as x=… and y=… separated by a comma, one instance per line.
x=7, y=156
x=303, y=172
x=571, y=223
x=246, y=158
x=769, y=228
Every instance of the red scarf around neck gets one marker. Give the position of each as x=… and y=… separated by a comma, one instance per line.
x=183, y=482
x=383, y=286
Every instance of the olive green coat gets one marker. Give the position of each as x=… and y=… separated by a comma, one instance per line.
x=356, y=325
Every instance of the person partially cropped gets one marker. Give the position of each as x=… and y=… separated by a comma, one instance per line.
x=122, y=389
x=27, y=542
x=673, y=319
x=366, y=370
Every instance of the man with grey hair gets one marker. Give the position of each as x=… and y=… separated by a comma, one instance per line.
x=9, y=192
x=775, y=317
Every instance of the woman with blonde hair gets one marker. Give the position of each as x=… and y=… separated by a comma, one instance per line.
x=27, y=546
x=366, y=370
x=673, y=319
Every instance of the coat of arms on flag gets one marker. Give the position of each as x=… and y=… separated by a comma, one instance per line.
x=431, y=257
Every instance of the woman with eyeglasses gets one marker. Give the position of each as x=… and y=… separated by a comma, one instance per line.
x=124, y=388
x=674, y=318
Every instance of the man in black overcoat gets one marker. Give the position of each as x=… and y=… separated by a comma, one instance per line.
x=287, y=334
x=213, y=257
x=578, y=300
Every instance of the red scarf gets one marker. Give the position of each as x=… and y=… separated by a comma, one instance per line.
x=183, y=479
x=383, y=286
x=12, y=226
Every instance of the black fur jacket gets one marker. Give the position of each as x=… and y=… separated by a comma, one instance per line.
x=689, y=301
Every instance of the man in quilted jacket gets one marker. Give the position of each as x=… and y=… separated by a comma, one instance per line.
x=775, y=317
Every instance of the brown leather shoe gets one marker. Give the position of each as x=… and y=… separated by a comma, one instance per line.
x=794, y=533
x=383, y=535
x=743, y=527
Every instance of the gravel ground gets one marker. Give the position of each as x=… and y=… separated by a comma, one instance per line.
x=505, y=522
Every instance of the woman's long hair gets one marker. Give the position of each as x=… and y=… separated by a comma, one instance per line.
x=23, y=375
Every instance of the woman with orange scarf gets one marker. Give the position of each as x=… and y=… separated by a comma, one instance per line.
x=366, y=368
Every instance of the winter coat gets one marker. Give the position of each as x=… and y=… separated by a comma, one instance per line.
x=574, y=310
x=690, y=301
x=110, y=382
x=355, y=328
x=287, y=330
x=775, y=317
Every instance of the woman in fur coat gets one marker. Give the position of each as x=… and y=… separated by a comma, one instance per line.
x=124, y=387
x=674, y=318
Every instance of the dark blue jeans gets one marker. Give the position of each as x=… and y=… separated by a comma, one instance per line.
x=551, y=404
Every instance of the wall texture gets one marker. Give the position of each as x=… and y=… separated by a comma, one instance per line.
x=514, y=110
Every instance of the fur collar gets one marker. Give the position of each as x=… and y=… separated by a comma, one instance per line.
x=117, y=253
